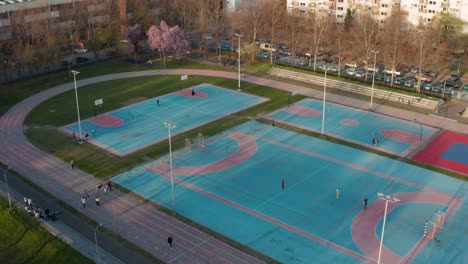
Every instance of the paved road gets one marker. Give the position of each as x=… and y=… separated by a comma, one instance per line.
x=136, y=220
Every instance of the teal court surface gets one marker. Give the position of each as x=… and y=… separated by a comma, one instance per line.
x=137, y=126
x=394, y=136
x=232, y=185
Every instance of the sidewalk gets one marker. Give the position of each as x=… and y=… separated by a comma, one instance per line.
x=134, y=219
x=58, y=228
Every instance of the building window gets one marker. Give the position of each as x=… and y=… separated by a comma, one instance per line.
x=340, y=8
x=384, y=5
x=340, y=1
x=339, y=16
x=383, y=13
x=302, y=4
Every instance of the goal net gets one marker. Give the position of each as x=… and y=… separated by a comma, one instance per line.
x=197, y=140
x=434, y=223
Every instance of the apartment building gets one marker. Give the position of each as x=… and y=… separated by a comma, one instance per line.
x=417, y=10
x=380, y=9
x=41, y=11
x=425, y=10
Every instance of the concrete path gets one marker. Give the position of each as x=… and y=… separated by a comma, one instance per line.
x=65, y=233
x=137, y=221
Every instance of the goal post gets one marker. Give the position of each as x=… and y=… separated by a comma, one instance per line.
x=189, y=142
x=434, y=223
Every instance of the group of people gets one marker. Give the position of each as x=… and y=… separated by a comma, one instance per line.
x=36, y=211
x=107, y=187
x=86, y=135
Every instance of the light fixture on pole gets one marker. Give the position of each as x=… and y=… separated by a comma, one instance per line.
x=169, y=127
x=373, y=79
x=386, y=198
x=421, y=128
x=6, y=184
x=239, y=35
x=324, y=100
x=95, y=242
x=77, y=104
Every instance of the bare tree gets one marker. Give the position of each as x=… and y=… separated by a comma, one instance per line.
x=395, y=41
x=250, y=22
x=294, y=30
x=274, y=10
x=427, y=53
x=365, y=34
x=317, y=27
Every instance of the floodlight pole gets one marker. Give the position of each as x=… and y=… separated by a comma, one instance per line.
x=169, y=127
x=95, y=242
x=324, y=100
x=386, y=198
x=77, y=104
x=239, y=35
x=373, y=79
x=6, y=184
x=421, y=128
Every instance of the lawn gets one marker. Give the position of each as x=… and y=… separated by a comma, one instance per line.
x=43, y=121
x=24, y=240
x=14, y=92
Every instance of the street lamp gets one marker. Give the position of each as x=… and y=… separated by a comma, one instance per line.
x=420, y=130
x=77, y=105
x=373, y=79
x=169, y=127
x=239, y=35
x=386, y=198
x=95, y=241
x=6, y=184
x=324, y=99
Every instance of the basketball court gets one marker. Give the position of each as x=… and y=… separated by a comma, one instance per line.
x=137, y=126
x=394, y=136
x=231, y=183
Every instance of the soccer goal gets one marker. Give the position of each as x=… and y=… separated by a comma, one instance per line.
x=434, y=223
x=199, y=139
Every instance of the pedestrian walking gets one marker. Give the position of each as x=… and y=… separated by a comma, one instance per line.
x=72, y=164
x=83, y=201
x=109, y=185
x=283, y=183
x=193, y=92
x=30, y=203
x=97, y=200
x=169, y=241
x=364, y=201
x=338, y=193
x=46, y=213
x=157, y=102
x=25, y=199
x=86, y=194
x=93, y=132
x=86, y=135
x=74, y=136
x=106, y=187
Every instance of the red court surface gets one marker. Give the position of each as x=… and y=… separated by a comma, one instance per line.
x=449, y=151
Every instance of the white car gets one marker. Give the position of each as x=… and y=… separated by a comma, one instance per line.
x=81, y=50
x=351, y=64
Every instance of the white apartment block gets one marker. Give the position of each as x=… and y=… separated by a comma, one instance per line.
x=417, y=10
x=424, y=11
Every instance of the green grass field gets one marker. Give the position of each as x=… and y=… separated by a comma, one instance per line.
x=24, y=240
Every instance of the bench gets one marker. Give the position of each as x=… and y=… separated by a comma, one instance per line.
x=356, y=88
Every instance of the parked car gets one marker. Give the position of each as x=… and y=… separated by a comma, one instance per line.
x=437, y=87
x=455, y=76
x=351, y=65
x=398, y=81
x=350, y=71
x=267, y=47
x=328, y=60
x=359, y=74
x=397, y=73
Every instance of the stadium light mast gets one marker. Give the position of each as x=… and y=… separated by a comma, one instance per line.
x=421, y=128
x=77, y=104
x=324, y=100
x=239, y=35
x=386, y=198
x=169, y=127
